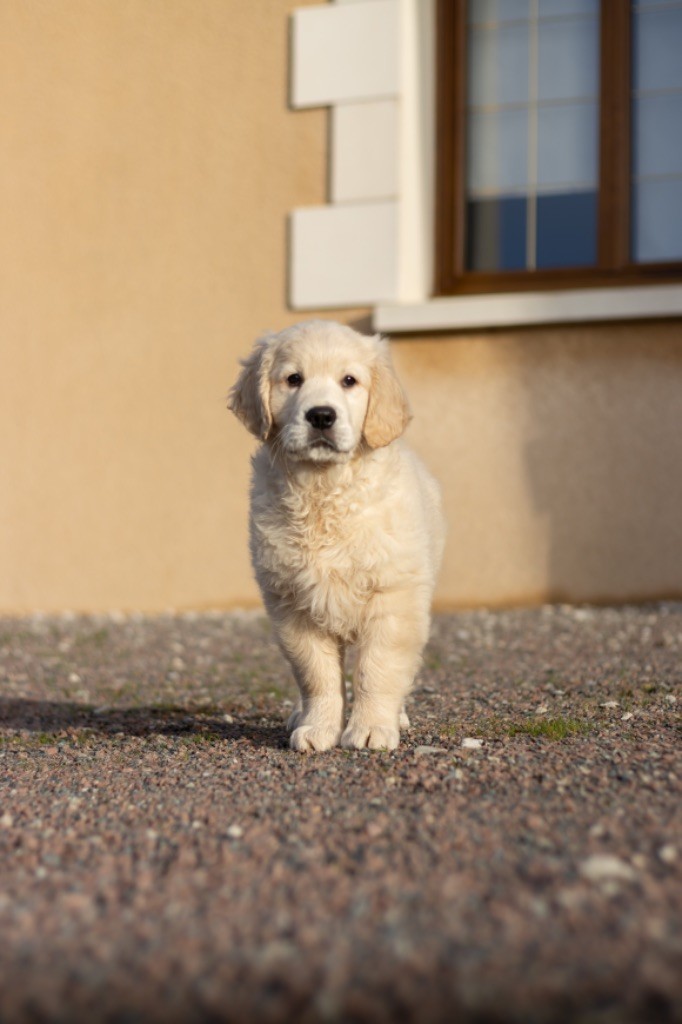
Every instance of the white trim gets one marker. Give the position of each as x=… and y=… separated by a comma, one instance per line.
x=515, y=309
x=417, y=143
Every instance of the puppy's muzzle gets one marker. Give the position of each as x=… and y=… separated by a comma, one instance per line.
x=321, y=417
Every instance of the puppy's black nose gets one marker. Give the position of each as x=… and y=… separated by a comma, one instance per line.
x=322, y=417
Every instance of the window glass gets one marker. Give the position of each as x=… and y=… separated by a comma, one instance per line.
x=657, y=221
x=496, y=234
x=657, y=135
x=567, y=58
x=657, y=132
x=656, y=37
x=496, y=11
x=565, y=230
x=552, y=8
x=567, y=148
x=498, y=152
x=498, y=57
x=532, y=134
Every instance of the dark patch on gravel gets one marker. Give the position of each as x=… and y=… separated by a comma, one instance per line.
x=164, y=856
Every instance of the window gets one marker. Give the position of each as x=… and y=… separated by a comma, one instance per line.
x=560, y=143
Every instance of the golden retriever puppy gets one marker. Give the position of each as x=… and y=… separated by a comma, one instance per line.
x=346, y=527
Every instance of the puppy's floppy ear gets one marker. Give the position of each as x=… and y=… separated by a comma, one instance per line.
x=387, y=411
x=249, y=399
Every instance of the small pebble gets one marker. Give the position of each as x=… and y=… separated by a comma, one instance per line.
x=627, y=716
x=235, y=832
x=571, y=898
x=609, y=704
x=471, y=743
x=603, y=867
x=668, y=854
x=429, y=750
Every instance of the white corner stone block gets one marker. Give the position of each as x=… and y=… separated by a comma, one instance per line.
x=365, y=155
x=344, y=255
x=345, y=52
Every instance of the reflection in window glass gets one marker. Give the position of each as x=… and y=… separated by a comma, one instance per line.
x=567, y=156
x=496, y=234
x=495, y=57
x=567, y=59
x=498, y=11
x=532, y=134
x=657, y=135
x=497, y=161
x=566, y=235
x=657, y=132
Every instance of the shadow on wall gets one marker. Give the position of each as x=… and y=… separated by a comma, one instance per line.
x=603, y=458
x=559, y=451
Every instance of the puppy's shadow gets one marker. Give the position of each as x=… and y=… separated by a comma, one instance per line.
x=45, y=718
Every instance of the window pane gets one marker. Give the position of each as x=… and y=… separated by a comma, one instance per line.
x=657, y=133
x=657, y=57
x=497, y=152
x=568, y=62
x=532, y=134
x=498, y=65
x=567, y=146
x=496, y=234
x=657, y=221
x=567, y=230
x=552, y=8
x=480, y=11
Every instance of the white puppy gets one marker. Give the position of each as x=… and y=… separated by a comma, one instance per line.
x=346, y=527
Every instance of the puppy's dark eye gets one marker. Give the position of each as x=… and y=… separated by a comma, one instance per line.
x=348, y=381
x=294, y=380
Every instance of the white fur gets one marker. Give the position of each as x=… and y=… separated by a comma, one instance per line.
x=346, y=528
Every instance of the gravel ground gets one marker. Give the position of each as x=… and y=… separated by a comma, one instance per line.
x=164, y=856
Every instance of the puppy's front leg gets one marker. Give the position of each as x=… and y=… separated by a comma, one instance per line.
x=388, y=658
x=316, y=660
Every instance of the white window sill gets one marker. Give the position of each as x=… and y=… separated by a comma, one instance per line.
x=475, y=312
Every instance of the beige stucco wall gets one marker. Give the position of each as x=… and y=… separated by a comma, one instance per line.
x=560, y=453
x=149, y=162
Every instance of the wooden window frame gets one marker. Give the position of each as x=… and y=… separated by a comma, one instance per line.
x=613, y=266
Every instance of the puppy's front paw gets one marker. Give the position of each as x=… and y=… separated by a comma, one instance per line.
x=314, y=737
x=376, y=737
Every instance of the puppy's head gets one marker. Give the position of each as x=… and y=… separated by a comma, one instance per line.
x=319, y=390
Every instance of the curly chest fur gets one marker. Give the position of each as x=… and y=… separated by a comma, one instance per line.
x=321, y=552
